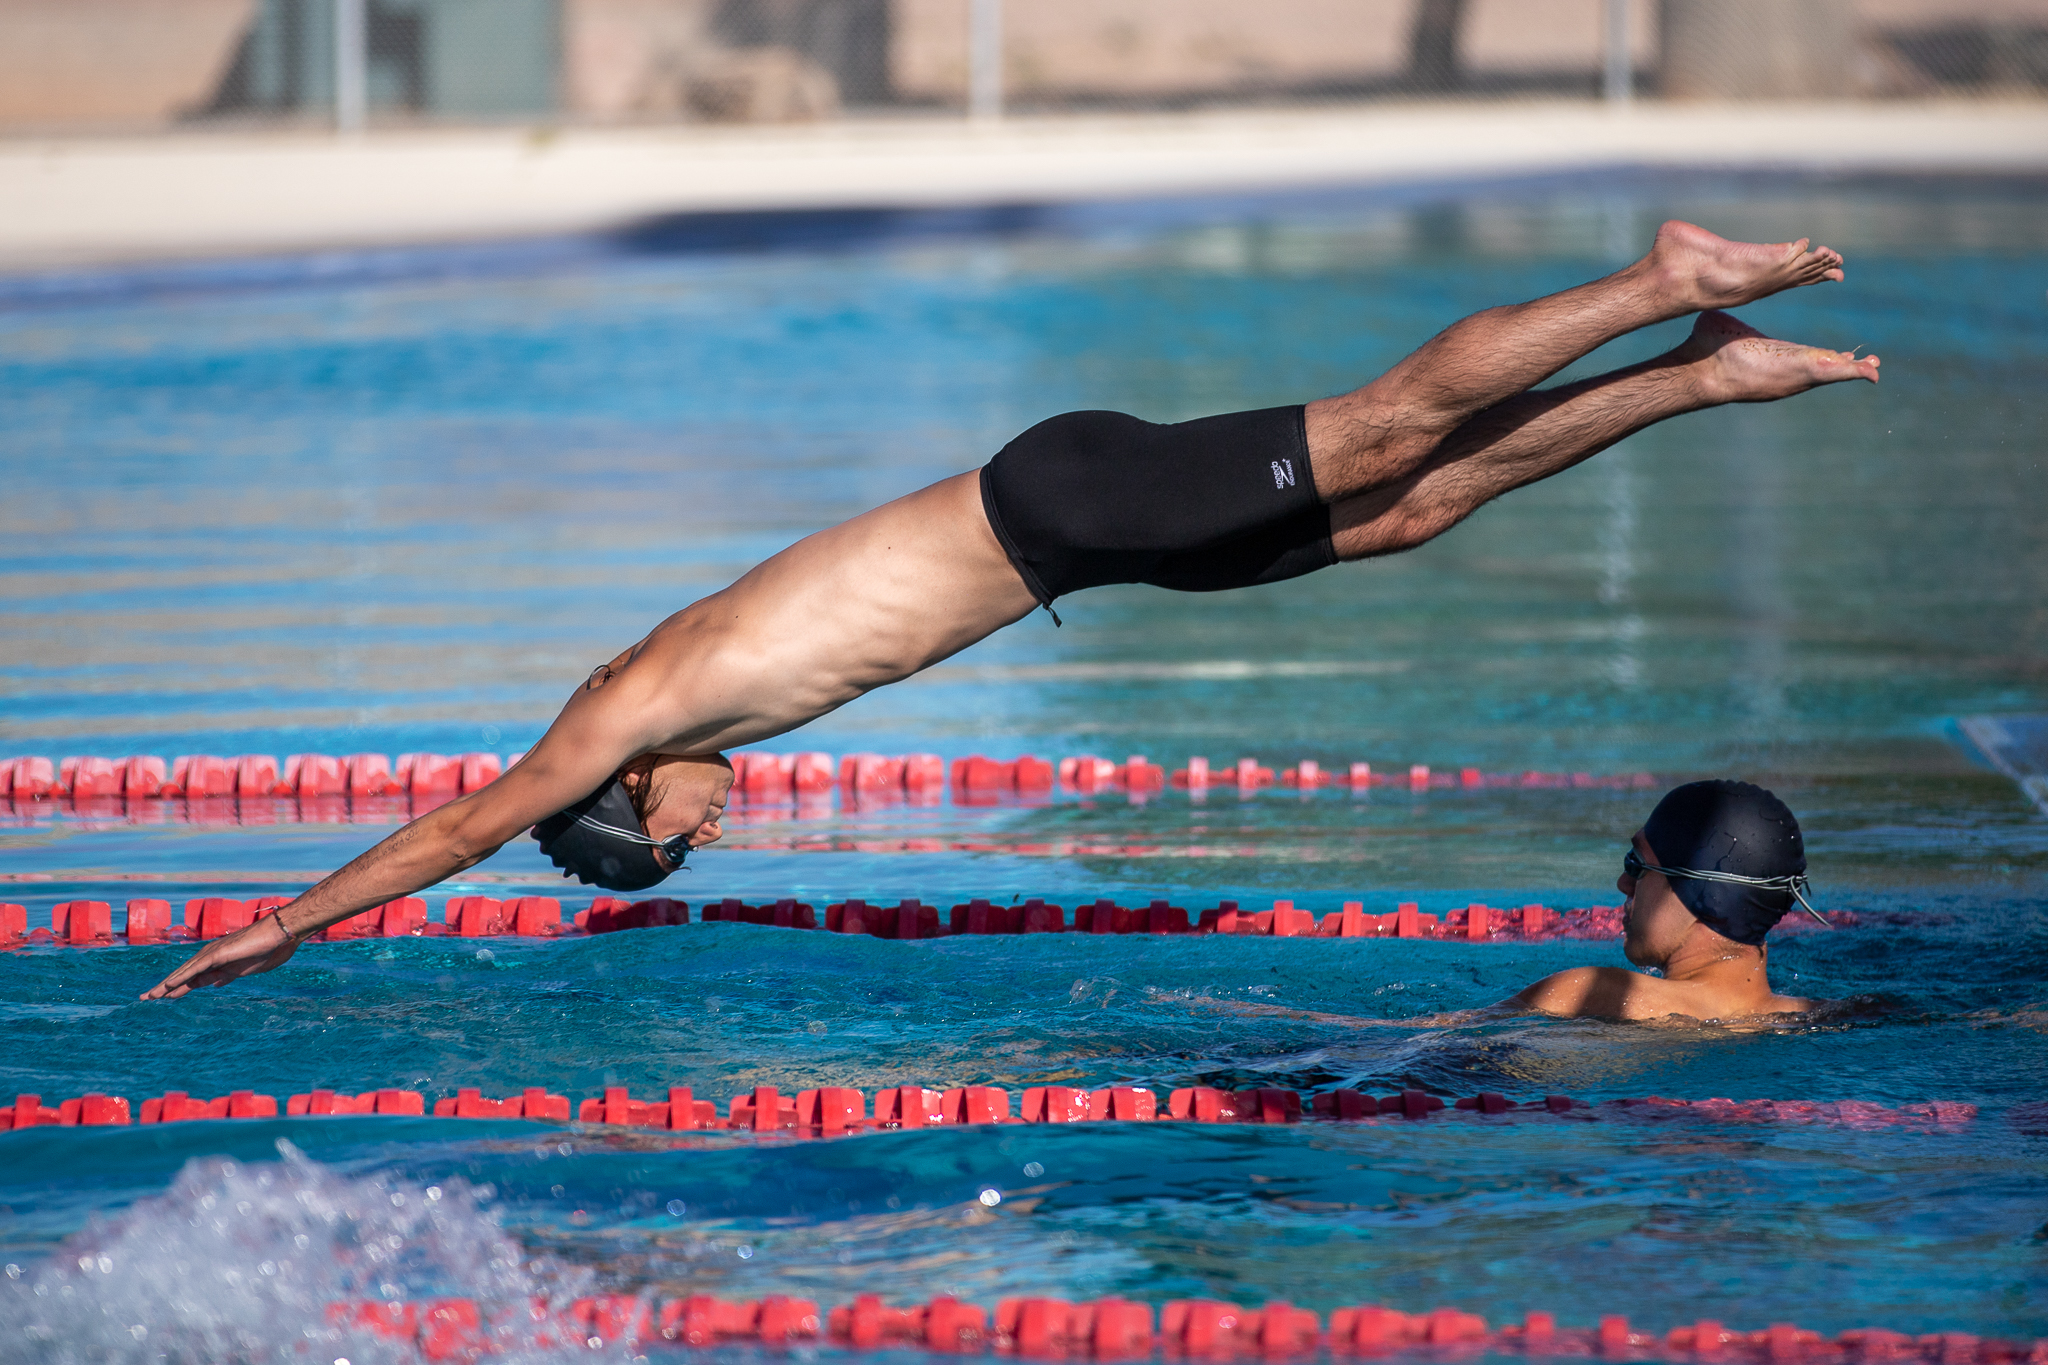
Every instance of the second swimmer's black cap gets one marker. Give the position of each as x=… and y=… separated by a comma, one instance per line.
x=1741, y=832
x=599, y=841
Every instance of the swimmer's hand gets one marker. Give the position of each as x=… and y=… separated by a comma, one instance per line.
x=258, y=948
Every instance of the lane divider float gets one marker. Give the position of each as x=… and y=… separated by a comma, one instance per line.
x=838, y=1111
x=89, y=924
x=1120, y=1329
x=758, y=777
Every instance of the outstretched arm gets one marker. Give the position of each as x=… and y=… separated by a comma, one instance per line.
x=598, y=731
x=864, y=603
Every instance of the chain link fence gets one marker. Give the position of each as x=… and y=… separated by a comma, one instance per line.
x=76, y=65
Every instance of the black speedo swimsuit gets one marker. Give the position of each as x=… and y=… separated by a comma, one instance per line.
x=1089, y=498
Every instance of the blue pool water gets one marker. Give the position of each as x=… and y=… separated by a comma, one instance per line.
x=408, y=508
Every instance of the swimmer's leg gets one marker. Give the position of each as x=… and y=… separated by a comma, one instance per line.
x=1380, y=434
x=1534, y=435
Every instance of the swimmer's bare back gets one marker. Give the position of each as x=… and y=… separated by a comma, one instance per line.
x=1617, y=993
x=877, y=598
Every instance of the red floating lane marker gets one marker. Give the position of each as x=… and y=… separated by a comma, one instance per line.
x=149, y=921
x=256, y=776
x=1411, y=1104
x=909, y=1106
x=762, y=1111
x=95, y=1111
x=950, y=1326
x=1035, y=1328
x=202, y=775
x=832, y=1109
x=1289, y=922
x=1051, y=1104
x=28, y=1111
x=314, y=775
x=811, y=773
x=475, y=916
x=976, y=1104
x=13, y=923
x=370, y=775
x=1034, y=776
x=924, y=775
x=1036, y=917
x=1203, y=1104
x=143, y=777
x=429, y=774
x=477, y=771
x=325, y=1103
x=1268, y=1106
x=403, y=918
x=178, y=1107
x=541, y=916
x=29, y=778
x=1113, y=1329
x=1205, y=1327
x=214, y=917
x=90, y=778
x=82, y=923
x=1347, y=1106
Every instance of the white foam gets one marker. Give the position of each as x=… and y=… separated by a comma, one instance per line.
x=240, y=1262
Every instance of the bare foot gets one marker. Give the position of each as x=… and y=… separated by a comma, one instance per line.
x=1700, y=271
x=1738, y=364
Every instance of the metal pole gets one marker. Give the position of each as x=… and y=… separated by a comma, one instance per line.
x=351, y=66
x=985, y=58
x=1619, y=86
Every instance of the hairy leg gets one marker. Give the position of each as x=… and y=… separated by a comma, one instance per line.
x=1381, y=433
x=1534, y=435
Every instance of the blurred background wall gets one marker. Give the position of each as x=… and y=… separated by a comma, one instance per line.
x=122, y=65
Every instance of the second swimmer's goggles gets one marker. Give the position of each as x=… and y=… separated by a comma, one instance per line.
x=1632, y=863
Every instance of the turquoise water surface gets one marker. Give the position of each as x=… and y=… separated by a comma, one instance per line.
x=405, y=502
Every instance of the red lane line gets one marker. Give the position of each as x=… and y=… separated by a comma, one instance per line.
x=334, y=782
x=837, y=1111
x=1119, y=1329
x=89, y=923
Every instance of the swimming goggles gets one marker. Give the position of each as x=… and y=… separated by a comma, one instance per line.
x=1633, y=864
x=676, y=847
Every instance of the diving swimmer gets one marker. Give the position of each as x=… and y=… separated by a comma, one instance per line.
x=629, y=776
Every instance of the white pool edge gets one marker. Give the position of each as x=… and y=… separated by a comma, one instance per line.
x=194, y=195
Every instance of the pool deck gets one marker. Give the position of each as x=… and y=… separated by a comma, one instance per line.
x=192, y=195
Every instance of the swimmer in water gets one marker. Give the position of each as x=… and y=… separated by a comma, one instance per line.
x=1715, y=866
x=629, y=778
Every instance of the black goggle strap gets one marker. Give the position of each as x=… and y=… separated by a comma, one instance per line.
x=1796, y=883
x=676, y=846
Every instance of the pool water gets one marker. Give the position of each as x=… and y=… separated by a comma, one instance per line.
x=408, y=509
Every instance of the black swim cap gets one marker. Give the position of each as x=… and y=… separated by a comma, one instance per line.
x=599, y=840
x=1738, y=831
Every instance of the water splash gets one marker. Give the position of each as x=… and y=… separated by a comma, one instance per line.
x=240, y=1263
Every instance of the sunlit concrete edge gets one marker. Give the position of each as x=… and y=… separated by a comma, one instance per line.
x=193, y=195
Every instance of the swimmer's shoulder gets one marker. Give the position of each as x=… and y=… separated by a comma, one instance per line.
x=1598, y=992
